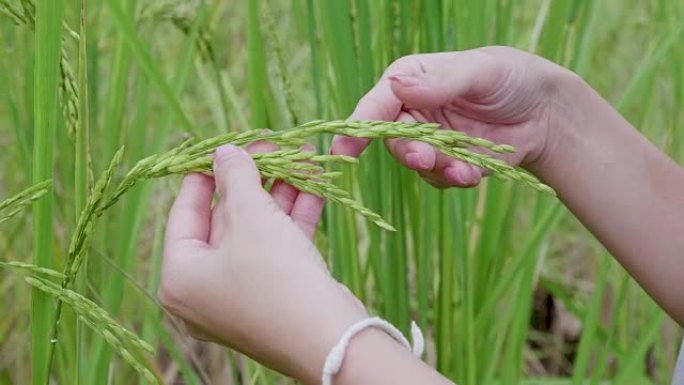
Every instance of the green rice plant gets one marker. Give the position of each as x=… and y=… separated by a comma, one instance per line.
x=33, y=269
x=93, y=209
x=281, y=68
x=90, y=313
x=48, y=22
x=68, y=87
x=286, y=165
x=126, y=343
x=12, y=206
x=83, y=172
x=80, y=240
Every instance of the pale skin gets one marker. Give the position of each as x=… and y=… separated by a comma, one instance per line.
x=246, y=274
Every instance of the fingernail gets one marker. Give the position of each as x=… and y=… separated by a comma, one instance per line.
x=405, y=80
x=417, y=161
x=225, y=151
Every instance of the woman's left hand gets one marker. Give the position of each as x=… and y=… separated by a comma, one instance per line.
x=246, y=274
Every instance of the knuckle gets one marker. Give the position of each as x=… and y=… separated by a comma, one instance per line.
x=494, y=51
x=372, y=103
x=403, y=62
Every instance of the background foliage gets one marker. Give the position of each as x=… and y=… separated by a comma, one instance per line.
x=508, y=287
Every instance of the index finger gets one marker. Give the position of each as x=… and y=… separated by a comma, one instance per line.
x=378, y=104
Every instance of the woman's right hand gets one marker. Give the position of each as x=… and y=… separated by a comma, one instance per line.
x=625, y=190
x=498, y=93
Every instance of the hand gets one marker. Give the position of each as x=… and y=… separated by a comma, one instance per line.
x=246, y=273
x=498, y=93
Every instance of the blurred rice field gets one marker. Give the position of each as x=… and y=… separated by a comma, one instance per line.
x=509, y=288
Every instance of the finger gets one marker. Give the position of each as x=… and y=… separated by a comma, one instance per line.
x=307, y=208
x=261, y=147
x=284, y=195
x=189, y=218
x=378, y=104
x=237, y=178
x=449, y=172
x=415, y=155
x=306, y=212
x=219, y=221
x=436, y=168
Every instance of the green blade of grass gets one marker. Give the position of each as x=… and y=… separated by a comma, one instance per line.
x=82, y=174
x=48, y=33
x=257, y=76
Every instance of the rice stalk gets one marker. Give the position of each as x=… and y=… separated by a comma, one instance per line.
x=67, y=86
x=287, y=165
x=281, y=68
x=68, y=94
x=33, y=269
x=12, y=206
x=119, y=338
x=86, y=222
x=83, y=177
x=192, y=156
x=80, y=239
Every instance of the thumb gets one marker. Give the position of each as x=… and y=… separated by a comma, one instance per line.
x=445, y=77
x=236, y=175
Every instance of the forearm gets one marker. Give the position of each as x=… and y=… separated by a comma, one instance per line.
x=373, y=357
x=628, y=193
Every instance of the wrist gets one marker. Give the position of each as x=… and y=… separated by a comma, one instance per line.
x=573, y=109
x=361, y=355
x=344, y=311
x=374, y=357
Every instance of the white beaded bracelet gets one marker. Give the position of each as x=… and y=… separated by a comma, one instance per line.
x=333, y=362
